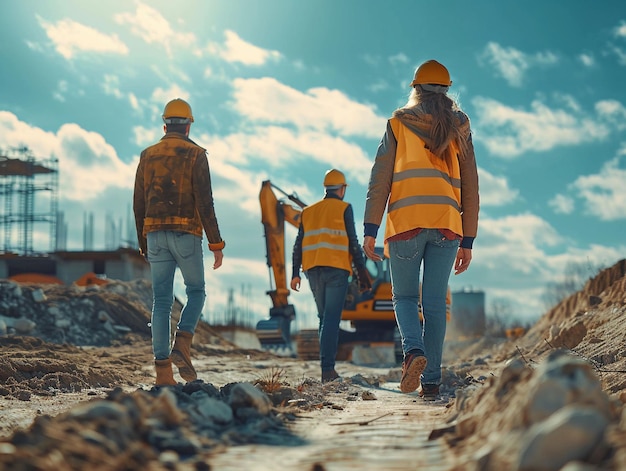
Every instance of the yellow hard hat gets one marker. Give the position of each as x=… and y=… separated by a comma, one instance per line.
x=334, y=179
x=431, y=72
x=177, y=111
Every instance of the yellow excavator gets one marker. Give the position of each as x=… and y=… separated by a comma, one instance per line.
x=370, y=314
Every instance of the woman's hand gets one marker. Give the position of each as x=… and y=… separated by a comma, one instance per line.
x=463, y=259
x=369, y=244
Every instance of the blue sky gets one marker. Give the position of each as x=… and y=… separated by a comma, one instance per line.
x=284, y=90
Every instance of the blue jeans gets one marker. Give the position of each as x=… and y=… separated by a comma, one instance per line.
x=437, y=254
x=329, y=287
x=166, y=251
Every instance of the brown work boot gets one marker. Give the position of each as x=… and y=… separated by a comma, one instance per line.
x=164, y=375
x=181, y=355
x=412, y=368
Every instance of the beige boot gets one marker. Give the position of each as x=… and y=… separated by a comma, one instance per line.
x=164, y=375
x=181, y=355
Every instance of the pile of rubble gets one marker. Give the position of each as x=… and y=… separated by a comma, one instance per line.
x=155, y=429
x=76, y=315
x=95, y=315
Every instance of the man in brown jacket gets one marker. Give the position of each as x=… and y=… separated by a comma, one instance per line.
x=173, y=203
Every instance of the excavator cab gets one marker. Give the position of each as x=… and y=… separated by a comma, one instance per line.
x=370, y=314
x=380, y=275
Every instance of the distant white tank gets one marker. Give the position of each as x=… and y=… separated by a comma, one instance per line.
x=468, y=314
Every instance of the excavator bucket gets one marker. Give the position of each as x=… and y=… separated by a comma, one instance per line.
x=274, y=333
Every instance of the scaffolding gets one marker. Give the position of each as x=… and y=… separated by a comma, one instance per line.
x=22, y=178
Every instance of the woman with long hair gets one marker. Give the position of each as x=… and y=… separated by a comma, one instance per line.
x=425, y=176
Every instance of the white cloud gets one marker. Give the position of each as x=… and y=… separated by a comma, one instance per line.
x=88, y=165
x=134, y=101
x=399, y=59
x=604, y=194
x=16, y=133
x=526, y=251
x=247, y=183
x=279, y=148
x=161, y=96
x=512, y=251
x=59, y=93
x=620, y=31
x=267, y=100
x=562, y=204
x=369, y=59
x=587, y=59
x=236, y=49
x=619, y=53
x=148, y=23
x=146, y=136
x=519, y=239
x=111, y=85
x=510, y=132
x=512, y=64
x=612, y=111
x=495, y=191
x=378, y=86
x=70, y=38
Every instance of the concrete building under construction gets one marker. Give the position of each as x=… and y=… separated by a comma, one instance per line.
x=33, y=234
x=29, y=191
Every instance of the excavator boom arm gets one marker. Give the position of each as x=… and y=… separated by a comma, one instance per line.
x=274, y=214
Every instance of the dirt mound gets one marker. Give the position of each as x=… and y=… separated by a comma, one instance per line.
x=30, y=365
x=69, y=331
x=588, y=325
x=604, y=292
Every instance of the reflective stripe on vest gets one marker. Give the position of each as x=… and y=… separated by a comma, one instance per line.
x=325, y=242
x=426, y=190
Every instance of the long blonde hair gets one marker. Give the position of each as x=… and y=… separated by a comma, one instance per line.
x=448, y=122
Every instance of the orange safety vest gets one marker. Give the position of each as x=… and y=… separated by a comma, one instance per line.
x=325, y=242
x=425, y=190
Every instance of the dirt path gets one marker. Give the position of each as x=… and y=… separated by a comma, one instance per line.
x=356, y=426
x=389, y=433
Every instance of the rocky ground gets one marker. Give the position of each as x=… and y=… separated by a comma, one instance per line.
x=76, y=393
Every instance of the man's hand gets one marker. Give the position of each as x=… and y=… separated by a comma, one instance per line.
x=463, y=259
x=295, y=283
x=218, y=256
x=369, y=244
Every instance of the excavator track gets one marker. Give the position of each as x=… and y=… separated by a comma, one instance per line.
x=308, y=345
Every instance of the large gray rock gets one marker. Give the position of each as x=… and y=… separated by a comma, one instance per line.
x=569, y=434
x=562, y=380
